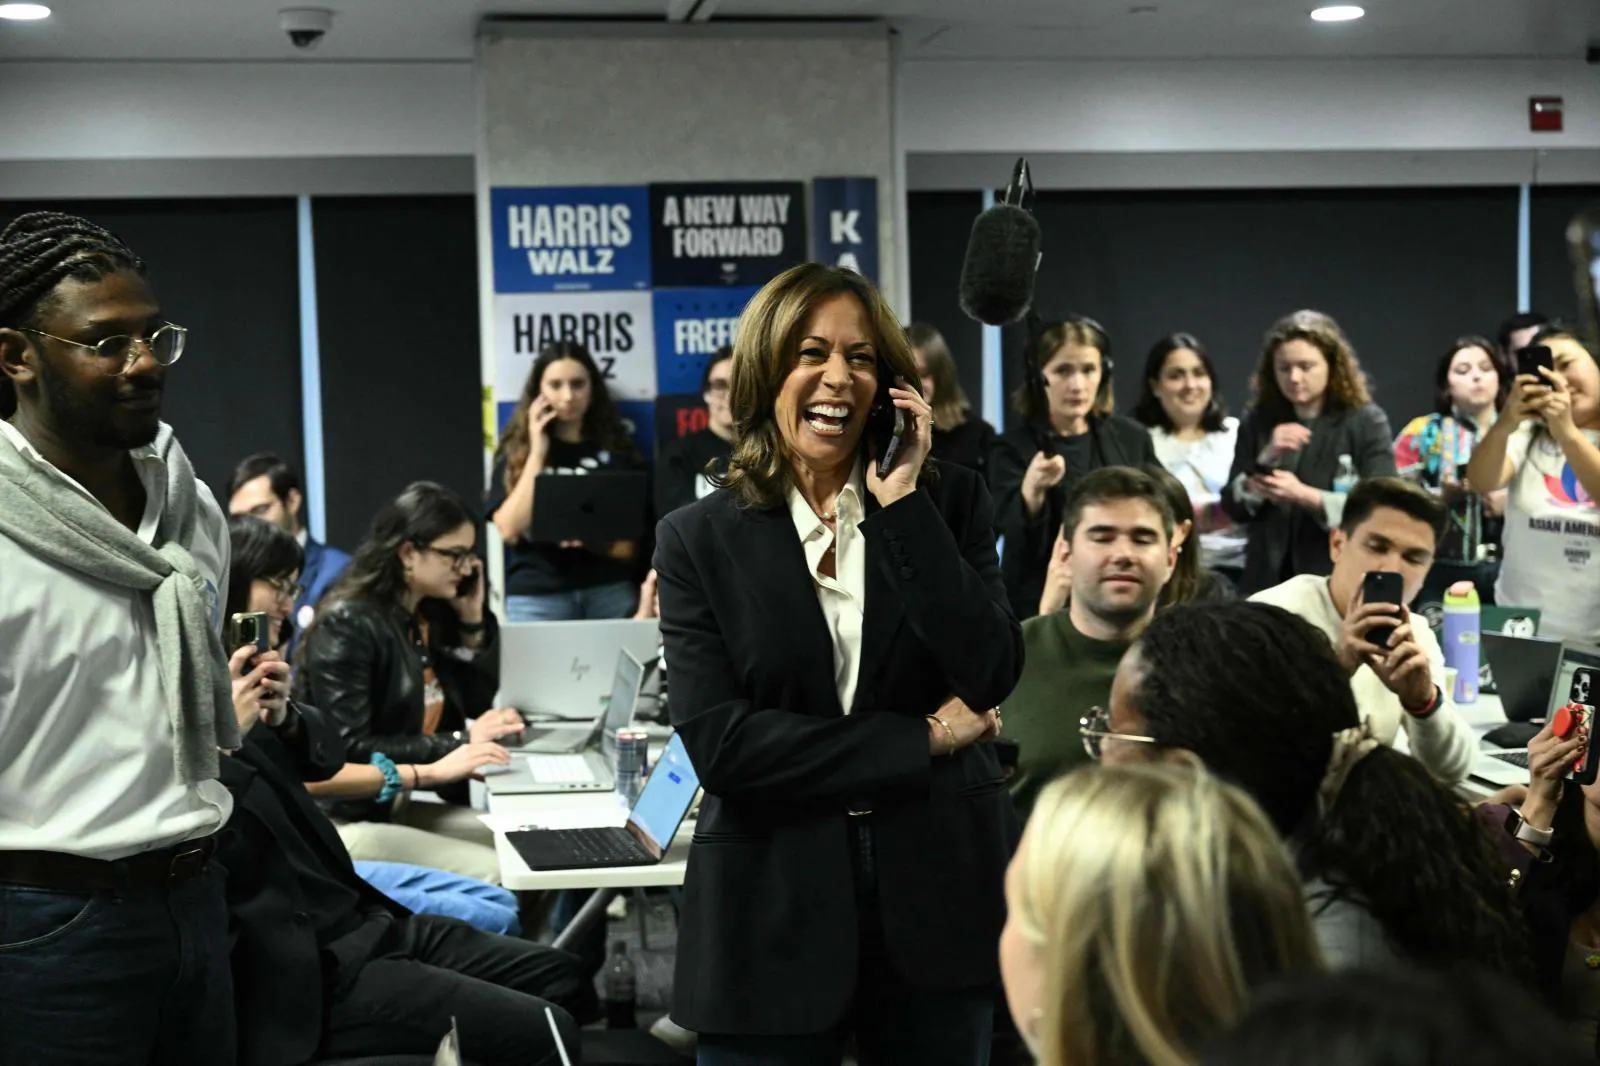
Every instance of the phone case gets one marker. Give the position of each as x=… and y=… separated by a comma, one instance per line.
x=1581, y=708
x=886, y=425
x=1381, y=587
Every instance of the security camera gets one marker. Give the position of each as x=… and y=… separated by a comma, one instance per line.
x=306, y=26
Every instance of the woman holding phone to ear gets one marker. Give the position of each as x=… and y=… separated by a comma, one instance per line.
x=402, y=654
x=1545, y=447
x=564, y=423
x=827, y=625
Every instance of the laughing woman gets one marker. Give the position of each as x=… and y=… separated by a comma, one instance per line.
x=826, y=629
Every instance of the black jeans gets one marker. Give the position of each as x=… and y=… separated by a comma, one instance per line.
x=895, y=1023
x=116, y=978
x=495, y=987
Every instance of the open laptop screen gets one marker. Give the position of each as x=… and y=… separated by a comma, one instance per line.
x=667, y=796
x=625, y=685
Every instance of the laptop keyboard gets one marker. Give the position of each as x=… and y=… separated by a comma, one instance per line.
x=560, y=769
x=1515, y=758
x=600, y=846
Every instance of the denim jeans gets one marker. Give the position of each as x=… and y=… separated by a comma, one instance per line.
x=116, y=978
x=616, y=600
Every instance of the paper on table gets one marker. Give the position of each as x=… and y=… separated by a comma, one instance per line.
x=557, y=819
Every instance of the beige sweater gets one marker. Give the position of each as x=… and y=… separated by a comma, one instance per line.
x=1442, y=742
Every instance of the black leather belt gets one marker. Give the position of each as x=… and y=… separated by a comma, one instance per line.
x=162, y=868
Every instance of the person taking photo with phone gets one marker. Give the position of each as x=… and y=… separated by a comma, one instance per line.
x=1066, y=429
x=564, y=423
x=824, y=618
x=403, y=658
x=1545, y=447
x=1310, y=433
x=1385, y=546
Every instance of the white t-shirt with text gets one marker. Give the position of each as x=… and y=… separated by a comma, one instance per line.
x=1551, y=545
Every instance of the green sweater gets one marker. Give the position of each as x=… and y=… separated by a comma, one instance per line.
x=1064, y=675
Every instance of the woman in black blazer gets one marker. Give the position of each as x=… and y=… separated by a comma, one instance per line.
x=826, y=630
x=1066, y=429
x=1310, y=433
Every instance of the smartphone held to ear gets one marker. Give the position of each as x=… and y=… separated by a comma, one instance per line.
x=886, y=424
x=1382, y=586
x=249, y=628
x=469, y=584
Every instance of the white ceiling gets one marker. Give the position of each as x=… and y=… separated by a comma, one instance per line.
x=1037, y=29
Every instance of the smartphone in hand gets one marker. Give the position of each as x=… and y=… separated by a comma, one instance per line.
x=249, y=628
x=1579, y=715
x=1382, y=586
x=886, y=423
x=1531, y=358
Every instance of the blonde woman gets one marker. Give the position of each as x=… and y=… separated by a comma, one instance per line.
x=1146, y=903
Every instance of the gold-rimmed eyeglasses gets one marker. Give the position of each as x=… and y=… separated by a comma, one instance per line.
x=1095, y=729
x=117, y=354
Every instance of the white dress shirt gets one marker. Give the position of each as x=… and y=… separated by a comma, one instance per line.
x=1442, y=741
x=844, y=596
x=86, y=741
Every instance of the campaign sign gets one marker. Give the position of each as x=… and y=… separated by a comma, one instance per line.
x=690, y=325
x=845, y=223
x=725, y=233
x=583, y=239
x=614, y=326
x=679, y=415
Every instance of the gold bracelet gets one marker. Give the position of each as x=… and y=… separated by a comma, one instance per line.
x=951, y=733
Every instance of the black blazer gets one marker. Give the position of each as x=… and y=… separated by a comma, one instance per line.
x=1113, y=441
x=360, y=670
x=280, y=981
x=767, y=937
x=968, y=444
x=1286, y=541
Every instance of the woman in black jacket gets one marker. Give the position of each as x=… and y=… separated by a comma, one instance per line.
x=403, y=652
x=835, y=639
x=1066, y=430
x=959, y=435
x=1311, y=431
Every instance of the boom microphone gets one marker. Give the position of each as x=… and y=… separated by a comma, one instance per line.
x=1002, y=256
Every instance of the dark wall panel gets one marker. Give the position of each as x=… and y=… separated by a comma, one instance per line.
x=1551, y=276
x=1404, y=271
x=938, y=224
x=226, y=269
x=397, y=303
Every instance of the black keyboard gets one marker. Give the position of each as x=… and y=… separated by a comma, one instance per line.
x=1515, y=758
x=579, y=849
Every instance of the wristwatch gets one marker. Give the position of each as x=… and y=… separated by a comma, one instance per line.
x=1518, y=827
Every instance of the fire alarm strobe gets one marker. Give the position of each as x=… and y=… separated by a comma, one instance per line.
x=1544, y=114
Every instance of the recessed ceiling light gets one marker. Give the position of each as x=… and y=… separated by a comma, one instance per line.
x=1338, y=13
x=24, y=12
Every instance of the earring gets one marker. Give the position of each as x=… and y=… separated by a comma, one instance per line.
x=408, y=571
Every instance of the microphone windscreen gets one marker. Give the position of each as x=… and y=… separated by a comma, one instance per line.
x=1002, y=257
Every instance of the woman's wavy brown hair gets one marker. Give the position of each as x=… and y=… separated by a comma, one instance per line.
x=1080, y=331
x=602, y=424
x=950, y=404
x=1347, y=382
x=765, y=349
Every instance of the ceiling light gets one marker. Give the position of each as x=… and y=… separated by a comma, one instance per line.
x=24, y=12
x=1338, y=13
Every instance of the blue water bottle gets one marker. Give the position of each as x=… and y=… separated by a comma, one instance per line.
x=1461, y=639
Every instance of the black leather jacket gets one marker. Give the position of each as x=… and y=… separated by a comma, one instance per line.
x=360, y=670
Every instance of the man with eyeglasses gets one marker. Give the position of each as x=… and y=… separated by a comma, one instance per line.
x=265, y=486
x=681, y=472
x=114, y=690
x=1117, y=532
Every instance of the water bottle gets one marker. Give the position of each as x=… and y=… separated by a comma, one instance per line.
x=1344, y=478
x=622, y=989
x=1461, y=639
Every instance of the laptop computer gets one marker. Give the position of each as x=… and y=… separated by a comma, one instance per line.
x=652, y=823
x=561, y=670
x=586, y=770
x=595, y=508
x=1528, y=671
x=1510, y=621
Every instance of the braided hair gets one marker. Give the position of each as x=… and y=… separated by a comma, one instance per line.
x=38, y=251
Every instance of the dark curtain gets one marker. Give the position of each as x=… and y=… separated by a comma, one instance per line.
x=938, y=224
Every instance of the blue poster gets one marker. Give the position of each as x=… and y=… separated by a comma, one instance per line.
x=845, y=223
x=583, y=239
x=690, y=325
x=726, y=232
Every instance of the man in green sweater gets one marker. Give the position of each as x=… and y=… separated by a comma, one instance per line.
x=1116, y=553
